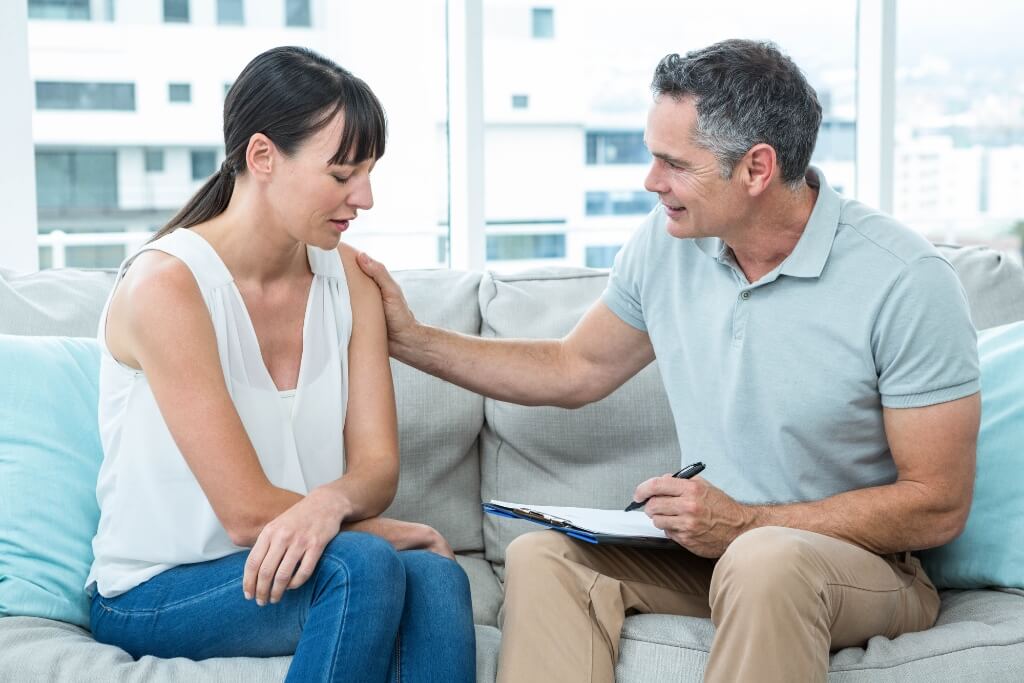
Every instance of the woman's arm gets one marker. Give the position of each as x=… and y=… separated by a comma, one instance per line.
x=371, y=420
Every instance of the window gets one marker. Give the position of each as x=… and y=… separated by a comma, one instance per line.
x=176, y=11
x=296, y=13
x=519, y=247
x=959, y=134
x=543, y=22
x=179, y=92
x=154, y=160
x=520, y=101
x=602, y=255
x=628, y=203
x=204, y=163
x=93, y=96
x=230, y=12
x=227, y=89
x=59, y=9
x=626, y=147
x=76, y=179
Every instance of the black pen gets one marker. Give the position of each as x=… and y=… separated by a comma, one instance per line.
x=685, y=473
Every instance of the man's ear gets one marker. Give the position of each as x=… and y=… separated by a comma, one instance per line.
x=759, y=167
x=260, y=156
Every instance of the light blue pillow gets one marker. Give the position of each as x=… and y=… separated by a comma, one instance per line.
x=990, y=552
x=50, y=455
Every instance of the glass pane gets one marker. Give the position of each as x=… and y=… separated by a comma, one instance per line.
x=230, y=12
x=574, y=162
x=94, y=96
x=176, y=11
x=543, y=22
x=105, y=256
x=296, y=13
x=75, y=180
x=204, y=163
x=959, y=139
x=179, y=92
x=59, y=9
x=154, y=160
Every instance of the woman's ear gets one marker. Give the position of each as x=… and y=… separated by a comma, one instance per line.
x=260, y=156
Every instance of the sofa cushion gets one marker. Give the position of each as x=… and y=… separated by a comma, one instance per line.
x=40, y=651
x=63, y=302
x=988, y=552
x=994, y=282
x=594, y=456
x=50, y=455
x=979, y=636
x=439, y=423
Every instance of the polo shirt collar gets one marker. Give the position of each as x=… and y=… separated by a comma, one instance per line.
x=811, y=252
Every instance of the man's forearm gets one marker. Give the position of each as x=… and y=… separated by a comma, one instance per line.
x=524, y=371
x=883, y=519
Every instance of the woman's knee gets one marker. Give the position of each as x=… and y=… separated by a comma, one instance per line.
x=361, y=559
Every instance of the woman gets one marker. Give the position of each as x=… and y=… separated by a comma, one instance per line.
x=246, y=402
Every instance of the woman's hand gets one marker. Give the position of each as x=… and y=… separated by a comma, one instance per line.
x=288, y=548
x=405, y=535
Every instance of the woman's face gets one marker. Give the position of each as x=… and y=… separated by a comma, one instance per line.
x=313, y=198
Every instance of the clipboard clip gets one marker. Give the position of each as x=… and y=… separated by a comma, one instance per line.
x=550, y=520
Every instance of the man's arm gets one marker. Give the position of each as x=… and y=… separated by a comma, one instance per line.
x=934, y=452
x=593, y=360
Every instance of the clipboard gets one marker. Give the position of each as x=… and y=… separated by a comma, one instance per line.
x=567, y=527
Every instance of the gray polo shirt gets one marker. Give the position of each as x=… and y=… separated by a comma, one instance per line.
x=779, y=385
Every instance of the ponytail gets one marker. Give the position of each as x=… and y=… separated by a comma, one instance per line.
x=211, y=200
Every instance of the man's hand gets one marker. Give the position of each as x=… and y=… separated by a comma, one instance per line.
x=694, y=514
x=400, y=319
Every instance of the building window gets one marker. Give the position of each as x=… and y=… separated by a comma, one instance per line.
x=179, y=92
x=296, y=13
x=602, y=255
x=616, y=147
x=520, y=101
x=518, y=247
x=543, y=22
x=176, y=11
x=204, y=163
x=76, y=179
x=227, y=89
x=154, y=161
x=94, y=96
x=837, y=141
x=59, y=9
x=619, y=203
x=230, y=12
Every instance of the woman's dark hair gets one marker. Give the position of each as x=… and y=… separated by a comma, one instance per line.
x=288, y=94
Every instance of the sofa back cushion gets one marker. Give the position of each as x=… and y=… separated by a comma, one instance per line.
x=994, y=282
x=594, y=456
x=50, y=455
x=65, y=302
x=439, y=423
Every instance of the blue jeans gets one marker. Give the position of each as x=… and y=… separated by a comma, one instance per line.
x=368, y=613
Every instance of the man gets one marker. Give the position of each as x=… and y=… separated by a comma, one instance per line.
x=817, y=355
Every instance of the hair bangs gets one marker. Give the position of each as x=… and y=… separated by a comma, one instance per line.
x=365, y=131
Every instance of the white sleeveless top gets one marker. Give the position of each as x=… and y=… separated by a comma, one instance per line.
x=153, y=514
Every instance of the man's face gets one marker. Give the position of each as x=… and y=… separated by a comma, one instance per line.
x=698, y=201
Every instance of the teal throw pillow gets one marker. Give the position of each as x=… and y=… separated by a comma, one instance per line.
x=50, y=455
x=989, y=552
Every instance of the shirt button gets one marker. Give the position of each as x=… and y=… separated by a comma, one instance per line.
x=745, y=295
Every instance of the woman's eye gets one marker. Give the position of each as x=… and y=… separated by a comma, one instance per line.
x=341, y=179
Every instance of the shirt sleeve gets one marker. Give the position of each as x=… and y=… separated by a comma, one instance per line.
x=624, y=293
x=924, y=342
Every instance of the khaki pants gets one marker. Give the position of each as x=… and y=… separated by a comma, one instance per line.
x=780, y=600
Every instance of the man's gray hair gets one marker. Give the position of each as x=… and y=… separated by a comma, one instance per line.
x=746, y=93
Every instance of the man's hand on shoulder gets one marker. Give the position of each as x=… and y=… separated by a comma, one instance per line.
x=694, y=514
x=400, y=320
